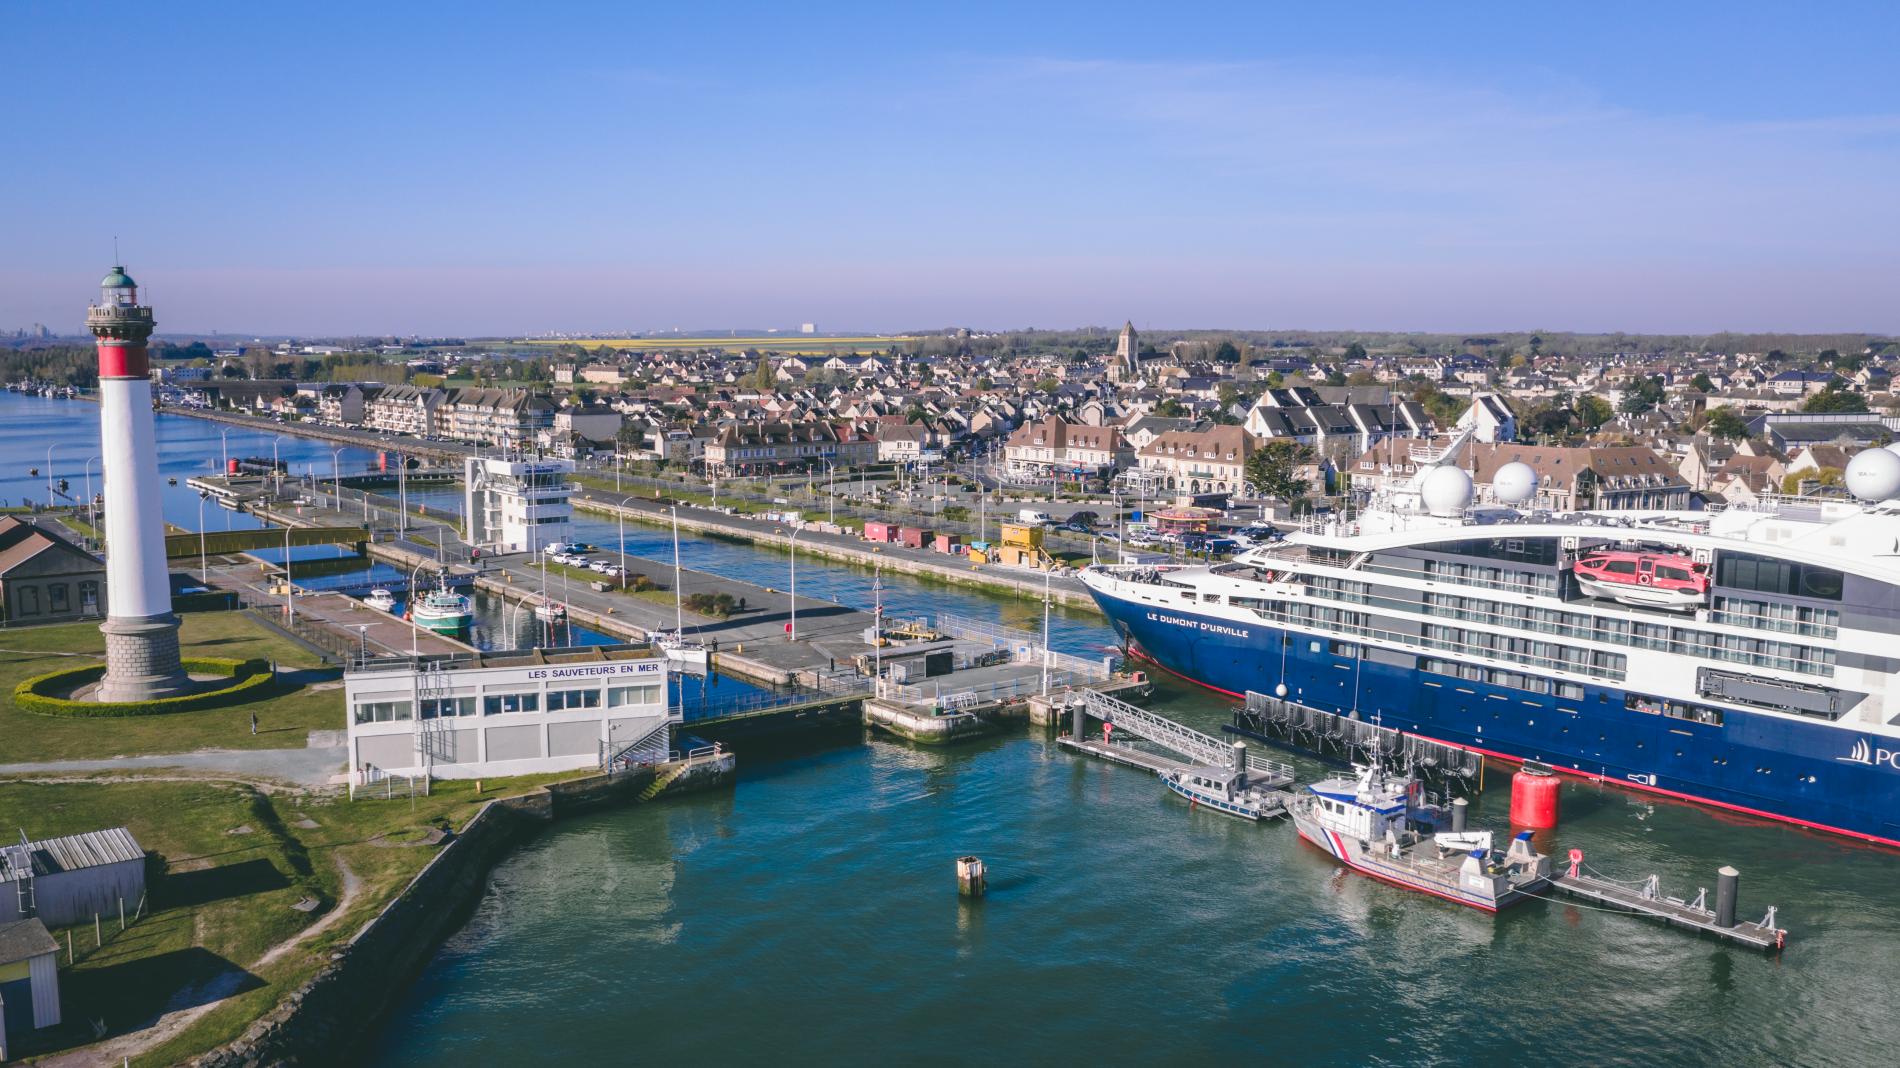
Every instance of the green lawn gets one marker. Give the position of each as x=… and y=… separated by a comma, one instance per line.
x=284, y=722
x=218, y=901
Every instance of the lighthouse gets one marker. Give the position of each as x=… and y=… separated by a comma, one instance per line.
x=141, y=632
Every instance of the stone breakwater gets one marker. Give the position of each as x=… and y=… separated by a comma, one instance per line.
x=326, y=1018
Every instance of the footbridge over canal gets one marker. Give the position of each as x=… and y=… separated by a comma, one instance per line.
x=1201, y=750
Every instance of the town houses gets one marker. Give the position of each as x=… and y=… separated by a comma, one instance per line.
x=1179, y=414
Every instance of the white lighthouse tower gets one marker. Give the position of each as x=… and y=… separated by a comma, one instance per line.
x=141, y=632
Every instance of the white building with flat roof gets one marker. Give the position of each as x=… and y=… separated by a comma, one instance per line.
x=476, y=715
x=517, y=506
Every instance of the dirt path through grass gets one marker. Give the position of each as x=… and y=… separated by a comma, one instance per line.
x=210, y=995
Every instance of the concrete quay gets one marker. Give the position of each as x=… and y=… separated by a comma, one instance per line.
x=1063, y=590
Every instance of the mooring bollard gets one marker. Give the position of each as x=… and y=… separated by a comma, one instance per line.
x=1458, y=807
x=1727, y=881
x=970, y=877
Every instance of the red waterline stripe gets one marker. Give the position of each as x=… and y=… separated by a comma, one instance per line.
x=1690, y=798
x=1859, y=836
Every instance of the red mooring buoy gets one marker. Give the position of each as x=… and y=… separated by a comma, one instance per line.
x=1534, y=799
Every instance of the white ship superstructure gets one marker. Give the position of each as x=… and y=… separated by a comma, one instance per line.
x=1770, y=691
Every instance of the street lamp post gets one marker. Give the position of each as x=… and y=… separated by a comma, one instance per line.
x=791, y=628
x=1045, y=632
x=409, y=611
x=402, y=496
x=290, y=604
x=92, y=513
x=276, y=471
x=224, y=452
x=831, y=490
x=336, y=479
x=204, y=565
x=49, y=473
x=620, y=513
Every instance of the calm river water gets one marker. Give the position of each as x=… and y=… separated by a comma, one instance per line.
x=810, y=915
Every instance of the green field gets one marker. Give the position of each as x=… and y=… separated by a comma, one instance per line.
x=284, y=722
x=226, y=862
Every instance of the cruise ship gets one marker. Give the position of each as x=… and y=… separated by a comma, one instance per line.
x=1758, y=681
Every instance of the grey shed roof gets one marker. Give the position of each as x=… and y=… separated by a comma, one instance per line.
x=24, y=939
x=76, y=851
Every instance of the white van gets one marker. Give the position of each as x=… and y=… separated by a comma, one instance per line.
x=1033, y=517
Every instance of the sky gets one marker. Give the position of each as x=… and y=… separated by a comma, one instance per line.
x=480, y=169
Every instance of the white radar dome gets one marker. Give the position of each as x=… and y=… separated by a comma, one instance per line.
x=1515, y=482
x=1446, y=491
x=1894, y=448
x=1874, y=475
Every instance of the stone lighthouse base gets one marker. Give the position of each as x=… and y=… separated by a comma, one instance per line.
x=141, y=659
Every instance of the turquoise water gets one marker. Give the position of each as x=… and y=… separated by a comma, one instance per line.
x=187, y=447
x=810, y=915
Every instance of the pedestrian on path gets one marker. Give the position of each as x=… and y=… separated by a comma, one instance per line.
x=253, y=722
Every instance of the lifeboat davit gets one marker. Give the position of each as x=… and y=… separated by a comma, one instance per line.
x=1650, y=580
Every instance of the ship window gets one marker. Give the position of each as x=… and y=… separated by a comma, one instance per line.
x=1674, y=574
x=1621, y=567
x=1766, y=575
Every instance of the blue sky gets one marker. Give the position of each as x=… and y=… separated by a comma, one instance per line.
x=476, y=168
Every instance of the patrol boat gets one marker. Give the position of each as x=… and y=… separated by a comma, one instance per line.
x=1364, y=822
x=1237, y=792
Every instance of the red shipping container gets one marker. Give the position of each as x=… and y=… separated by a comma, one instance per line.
x=877, y=531
x=912, y=537
x=947, y=543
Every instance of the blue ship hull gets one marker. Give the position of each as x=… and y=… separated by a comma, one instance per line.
x=1820, y=776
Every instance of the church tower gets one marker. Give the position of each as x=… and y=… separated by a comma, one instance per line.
x=1127, y=366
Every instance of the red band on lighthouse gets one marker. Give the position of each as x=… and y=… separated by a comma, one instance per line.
x=123, y=361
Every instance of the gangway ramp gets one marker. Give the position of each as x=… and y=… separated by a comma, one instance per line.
x=1200, y=749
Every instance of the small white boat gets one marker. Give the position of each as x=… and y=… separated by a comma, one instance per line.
x=689, y=654
x=550, y=611
x=1228, y=791
x=381, y=600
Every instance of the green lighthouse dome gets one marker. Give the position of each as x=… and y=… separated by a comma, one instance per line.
x=118, y=279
